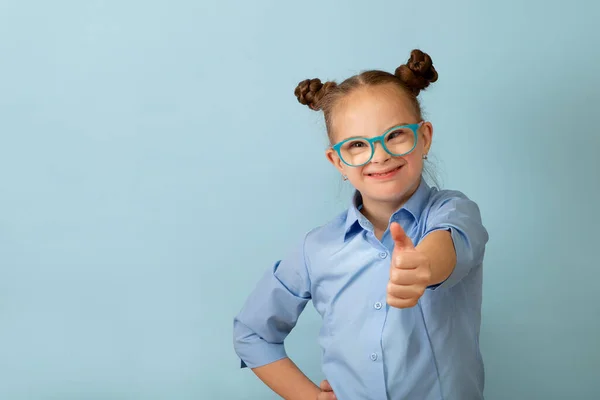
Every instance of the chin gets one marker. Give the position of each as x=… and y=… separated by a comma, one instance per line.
x=390, y=191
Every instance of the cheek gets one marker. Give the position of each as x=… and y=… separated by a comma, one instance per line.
x=414, y=165
x=353, y=172
x=414, y=160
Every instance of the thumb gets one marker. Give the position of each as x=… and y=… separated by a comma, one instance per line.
x=325, y=386
x=401, y=240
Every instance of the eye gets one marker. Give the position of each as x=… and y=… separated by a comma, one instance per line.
x=400, y=135
x=356, y=144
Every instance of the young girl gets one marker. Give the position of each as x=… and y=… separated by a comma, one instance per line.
x=396, y=277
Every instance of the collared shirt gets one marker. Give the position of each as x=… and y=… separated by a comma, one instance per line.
x=369, y=349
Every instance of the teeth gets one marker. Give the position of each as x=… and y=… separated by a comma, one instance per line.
x=384, y=173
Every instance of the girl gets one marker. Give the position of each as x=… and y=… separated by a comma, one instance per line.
x=397, y=277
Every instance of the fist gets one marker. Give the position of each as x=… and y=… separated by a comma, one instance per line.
x=410, y=272
x=326, y=392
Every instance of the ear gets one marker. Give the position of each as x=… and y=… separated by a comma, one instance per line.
x=426, y=136
x=334, y=159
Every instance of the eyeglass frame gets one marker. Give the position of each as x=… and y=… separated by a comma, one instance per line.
x=413, y=127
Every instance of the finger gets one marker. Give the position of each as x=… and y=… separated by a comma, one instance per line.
x=326, y=386
x=405, y=292
x=407, y=259
x=403, y=277
x=402, y=303
x=410, y=275
x=401, y=240
x=326, y=396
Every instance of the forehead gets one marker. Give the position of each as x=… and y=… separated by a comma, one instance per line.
x=369, y=111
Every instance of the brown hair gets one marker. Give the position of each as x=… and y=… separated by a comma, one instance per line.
x=416, y=75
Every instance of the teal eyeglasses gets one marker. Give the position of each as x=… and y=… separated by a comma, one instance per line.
x=397, y=141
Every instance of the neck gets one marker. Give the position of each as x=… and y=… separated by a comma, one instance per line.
x=380, y=212
x=379, y=215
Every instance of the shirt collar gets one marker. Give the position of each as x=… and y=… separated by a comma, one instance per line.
x=414, y=205
x=354, y=215
x=417, y=202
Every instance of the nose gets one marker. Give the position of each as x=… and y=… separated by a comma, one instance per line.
x=379, y=154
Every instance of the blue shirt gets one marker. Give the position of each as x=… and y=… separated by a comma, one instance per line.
x=369, y=349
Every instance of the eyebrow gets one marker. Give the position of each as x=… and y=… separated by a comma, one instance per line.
x=393, y=126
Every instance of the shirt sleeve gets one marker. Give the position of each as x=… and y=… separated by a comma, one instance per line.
x=454, y=212
x=272, y=310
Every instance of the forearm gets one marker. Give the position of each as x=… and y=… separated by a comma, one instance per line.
x=439, y=249
x=286, y=379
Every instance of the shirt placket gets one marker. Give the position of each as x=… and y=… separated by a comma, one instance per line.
x=378, y=306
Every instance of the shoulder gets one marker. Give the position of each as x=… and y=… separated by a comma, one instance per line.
x=443, y=197
x=325, y=237
x=444, y=200
x=454, y=210
x=438, y=196
x=327, y=232
x=310, y=242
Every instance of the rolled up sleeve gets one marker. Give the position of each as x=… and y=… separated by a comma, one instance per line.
x=461, y=216
x=271, y=311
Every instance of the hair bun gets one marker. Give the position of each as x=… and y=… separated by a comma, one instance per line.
x=418, y=73
x=310, y=92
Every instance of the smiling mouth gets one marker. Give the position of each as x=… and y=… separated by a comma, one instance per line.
x=384, y=174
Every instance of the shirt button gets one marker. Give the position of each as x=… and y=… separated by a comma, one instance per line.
x=377, y=306
x=374, y=356
x=383, y=255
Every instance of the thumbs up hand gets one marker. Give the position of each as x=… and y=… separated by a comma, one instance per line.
x=410, y=272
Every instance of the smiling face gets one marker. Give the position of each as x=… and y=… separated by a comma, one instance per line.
x=369, y=111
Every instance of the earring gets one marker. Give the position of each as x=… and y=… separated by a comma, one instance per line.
x=424, y=156
x=344, y=177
